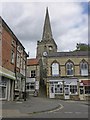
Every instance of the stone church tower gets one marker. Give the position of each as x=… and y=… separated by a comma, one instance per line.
x=44, y=47
x=47, y=44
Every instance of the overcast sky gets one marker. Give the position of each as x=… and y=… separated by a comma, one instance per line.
x=69, y=23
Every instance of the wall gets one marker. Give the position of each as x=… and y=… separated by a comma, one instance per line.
x=62, y=61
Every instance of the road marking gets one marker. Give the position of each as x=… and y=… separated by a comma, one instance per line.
x=19, y=102
x=55, y=110
x=78, y=112
x=49, y=111
x=68, y=112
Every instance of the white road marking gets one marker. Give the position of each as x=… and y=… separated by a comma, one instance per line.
x=19, y=102
x=78, y=112
x=68, y=112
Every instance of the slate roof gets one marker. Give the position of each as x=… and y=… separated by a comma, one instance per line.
x=71, y=54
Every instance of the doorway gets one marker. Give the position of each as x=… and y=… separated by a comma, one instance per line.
x=81, y=91
x=51, y=91
x=66, y=92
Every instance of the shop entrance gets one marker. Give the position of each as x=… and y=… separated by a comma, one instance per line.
x=81, y=91
x=67, y=92
x=51, y=91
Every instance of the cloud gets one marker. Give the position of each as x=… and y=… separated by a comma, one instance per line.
x=69, y=23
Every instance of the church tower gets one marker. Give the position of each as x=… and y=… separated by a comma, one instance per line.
x=47, y=44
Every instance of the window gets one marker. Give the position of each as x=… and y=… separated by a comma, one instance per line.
x=12, y=56
x=17, y=84
x=73, y=89
x=30, y=86
x=69, y=68
x=55, y=69
x=24, y=64
x=21, y=63
x=18, y=60
x=50, y=48
x=87, y=89
x=84, y=68
x=3, y=89
x=33, y=74
x=13, y=42
x=58, y=88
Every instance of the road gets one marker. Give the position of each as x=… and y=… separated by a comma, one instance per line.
x=70, y=109
x=38, y=107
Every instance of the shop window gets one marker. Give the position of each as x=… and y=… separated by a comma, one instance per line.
x=73, y=89
x=3, y=90
x=87, y=89
x=33, y=74
x=84, y=68
x=55, y=69
x=69, y=68
x=30, y=86
x=58, y=88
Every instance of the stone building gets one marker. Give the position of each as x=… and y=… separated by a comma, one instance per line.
x=13, y=64
x=33, y=76
x=64, y=74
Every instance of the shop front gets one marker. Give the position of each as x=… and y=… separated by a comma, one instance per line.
x=84, y=90
x=6, y=84
x=64, y=89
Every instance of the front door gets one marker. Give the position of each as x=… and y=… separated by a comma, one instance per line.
x=81, y=93
x=67, y=92
x=51, y=91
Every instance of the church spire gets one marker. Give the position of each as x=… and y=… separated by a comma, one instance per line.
x=47, y=33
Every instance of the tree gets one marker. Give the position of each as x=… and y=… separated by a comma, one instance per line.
x=82, y=47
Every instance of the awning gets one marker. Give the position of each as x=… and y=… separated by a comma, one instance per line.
x=85, y=82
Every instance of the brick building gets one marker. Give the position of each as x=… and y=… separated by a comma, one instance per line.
x=13, y=66
x=65, y=74
x=33, y=76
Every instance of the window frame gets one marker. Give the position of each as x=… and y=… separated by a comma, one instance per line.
x=82, y=68
x=33, y=73
x=12, y=56
x=58, y=74
x=70, y=62
x=73, y=88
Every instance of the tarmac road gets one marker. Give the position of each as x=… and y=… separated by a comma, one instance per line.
x=37, y=107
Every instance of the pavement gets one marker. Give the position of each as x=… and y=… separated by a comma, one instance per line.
x=26, y=108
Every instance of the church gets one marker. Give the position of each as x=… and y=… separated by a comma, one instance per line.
x=65, y=75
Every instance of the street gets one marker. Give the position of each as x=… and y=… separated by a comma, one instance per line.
x=37, y=107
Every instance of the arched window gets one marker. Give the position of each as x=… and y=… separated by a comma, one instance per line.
x=69, y=68
x=84, y=68
x=55, y=69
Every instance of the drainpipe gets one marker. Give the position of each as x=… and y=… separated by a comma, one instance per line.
x=15, y=68
x=25, y=79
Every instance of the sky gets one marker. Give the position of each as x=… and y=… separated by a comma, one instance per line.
x=69, y=23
